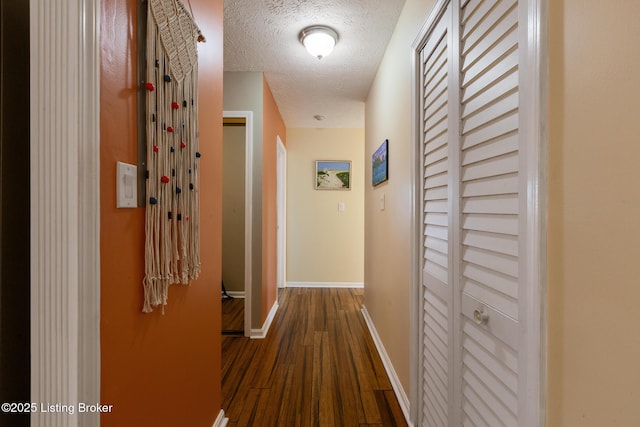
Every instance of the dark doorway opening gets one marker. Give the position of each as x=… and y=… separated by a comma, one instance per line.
x=15, y=359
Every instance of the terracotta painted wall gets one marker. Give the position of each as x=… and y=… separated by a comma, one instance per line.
x=157, y=370
x=272, y=127
x=594, y=214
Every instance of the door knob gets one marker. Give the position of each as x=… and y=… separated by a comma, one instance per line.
x=480, y=316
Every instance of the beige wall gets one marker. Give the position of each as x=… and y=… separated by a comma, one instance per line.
x=233, y=210
x=387, y=232
x=594, y=214
x=323, y=244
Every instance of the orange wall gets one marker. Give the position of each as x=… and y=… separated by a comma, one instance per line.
x=157, y=369
x=272, y=126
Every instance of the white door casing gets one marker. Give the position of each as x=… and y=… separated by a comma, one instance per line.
x=478, y=164
x=282, y=213
x=248, y=212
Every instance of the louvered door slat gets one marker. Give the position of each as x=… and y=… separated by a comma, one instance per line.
x=503, y=145
x=501, y=88
x=505, y=66
x=495, y=25
x=502, y=283
x=506, y=224
x=497, y=108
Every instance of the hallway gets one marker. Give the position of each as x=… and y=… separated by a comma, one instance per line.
x=318, y=366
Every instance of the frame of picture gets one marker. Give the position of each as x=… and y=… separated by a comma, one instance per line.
x=380, y=164
x=333, y=175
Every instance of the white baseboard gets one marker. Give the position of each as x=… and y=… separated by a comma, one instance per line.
x=221, y=421
x=236, y=294
x=388, y=366
x=262, y=333
x=325, y=285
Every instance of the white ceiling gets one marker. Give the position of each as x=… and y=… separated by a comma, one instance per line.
x=262, y=35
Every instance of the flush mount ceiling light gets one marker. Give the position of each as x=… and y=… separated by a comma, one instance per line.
x=319, y=40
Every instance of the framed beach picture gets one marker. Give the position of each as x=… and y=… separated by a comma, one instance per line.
x=333, y=175
x=380, y=164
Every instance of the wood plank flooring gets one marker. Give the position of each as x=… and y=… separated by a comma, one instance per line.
x=318, y=366
x=233, y=316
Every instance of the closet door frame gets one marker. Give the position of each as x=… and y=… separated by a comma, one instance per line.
x=533, y=118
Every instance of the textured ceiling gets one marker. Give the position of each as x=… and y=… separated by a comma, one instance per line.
x=262, y=35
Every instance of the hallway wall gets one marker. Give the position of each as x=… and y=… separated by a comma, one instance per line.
x=272, y=127
x=387, y=232
x=323, y=244
x=249, y=91
x=594, y=212
x=157, y=369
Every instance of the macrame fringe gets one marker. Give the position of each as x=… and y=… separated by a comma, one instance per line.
x=172, y=246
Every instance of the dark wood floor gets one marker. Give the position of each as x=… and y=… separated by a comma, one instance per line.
x=318, y=366
x=233, y=316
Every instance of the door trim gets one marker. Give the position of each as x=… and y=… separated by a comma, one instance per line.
x=533, y=86
x=248, y=211
x=65, y=204
x=533, y=127
x=282, y=213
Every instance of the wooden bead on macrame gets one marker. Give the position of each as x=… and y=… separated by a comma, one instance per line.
x=183, y=144
x=164, y=179
x=153, y=201
x=191, y=187
x=172, y=149
x=150, y=87
x=178, y=190
x=175, y=105
x=155, y=149
x=198, y=155
x=169, y=129
x=167, y=78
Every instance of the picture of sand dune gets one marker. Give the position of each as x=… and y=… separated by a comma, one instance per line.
x=333, y=175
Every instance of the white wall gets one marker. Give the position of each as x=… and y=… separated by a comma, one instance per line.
x=324, y=245
x=387, y=232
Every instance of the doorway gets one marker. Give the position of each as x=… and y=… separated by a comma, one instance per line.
x=237, y=223
x=15, y=360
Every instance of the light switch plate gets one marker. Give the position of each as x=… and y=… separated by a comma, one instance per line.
x=382, y=202
x=341, y=207
x=126, y=185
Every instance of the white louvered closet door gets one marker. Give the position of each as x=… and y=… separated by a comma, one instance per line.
x=472, y=198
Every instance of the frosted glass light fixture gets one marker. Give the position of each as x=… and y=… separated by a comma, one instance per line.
x=319, y=40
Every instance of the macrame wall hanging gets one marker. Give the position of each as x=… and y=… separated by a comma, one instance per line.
x=172, y=249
